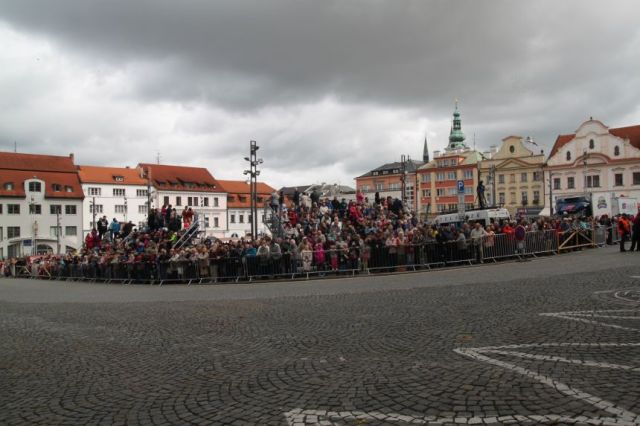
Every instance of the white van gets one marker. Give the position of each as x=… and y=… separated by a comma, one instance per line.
x=484, y=216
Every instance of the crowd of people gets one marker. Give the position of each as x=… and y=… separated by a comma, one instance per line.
x=314, y=235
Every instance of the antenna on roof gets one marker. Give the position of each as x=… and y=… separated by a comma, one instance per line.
x=474, y=141
x=15, y=146
x=158, y=157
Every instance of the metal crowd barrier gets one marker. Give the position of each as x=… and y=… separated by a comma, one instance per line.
x=369, y=259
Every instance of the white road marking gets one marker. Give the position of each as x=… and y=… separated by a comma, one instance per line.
x=554, y=358
x=315, y=417
x=621, y=416
x=576, y=316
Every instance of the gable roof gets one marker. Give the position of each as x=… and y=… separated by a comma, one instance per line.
x=16, y=168
x=107, y=175
x=37, y=162
x=238, y=188
x=630, y=132
x=181, y=178
x=241, y=187
x=411, y=166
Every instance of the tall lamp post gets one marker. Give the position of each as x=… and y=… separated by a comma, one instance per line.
x=403, y=177
x=253, y=173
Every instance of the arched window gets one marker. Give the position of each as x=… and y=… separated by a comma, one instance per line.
x=616, y=151
x=568, y=156
x=592, y=144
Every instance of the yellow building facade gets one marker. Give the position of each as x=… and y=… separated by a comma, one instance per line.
x=513, y=176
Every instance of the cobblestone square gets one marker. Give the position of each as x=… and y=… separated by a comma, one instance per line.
x=555, y=340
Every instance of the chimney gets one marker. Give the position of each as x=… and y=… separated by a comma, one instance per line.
x=493, y=149
x=436, y=154
x=71, y=157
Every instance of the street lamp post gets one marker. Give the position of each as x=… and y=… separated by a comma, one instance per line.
x=58, y=230
x=253, y=173
x=403, y=178
x=93, y=208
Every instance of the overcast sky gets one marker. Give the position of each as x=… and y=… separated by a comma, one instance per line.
x=328, y=88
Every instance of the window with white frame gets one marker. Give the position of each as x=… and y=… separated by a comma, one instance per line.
x=13, y=231
x=94, y=192
x=439, y=176
x=425, y=177
x=556, y=183
x=468, y=174
x=452, y=191
x=142, y=192
x=451, y=175
x=216, y=202
x=571, y=182
x=379, y=187
x=232, y=218
x=13, y=208
x=216, y=222
x=501, y=198
x=35, y=187
x=523, y=177
x=439, y=192
x=35, y=209
x=98, y=208
x=71, y=231
x=593, y=181
x=142, y=209
x=119, y=192
x=120, y=208
x=241, y=218
x=426, y=193
x=618, y=179
x=55, y=209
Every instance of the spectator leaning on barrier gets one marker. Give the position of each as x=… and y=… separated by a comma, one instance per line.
x=635, y=229
x=477, y=234
x=623, y=229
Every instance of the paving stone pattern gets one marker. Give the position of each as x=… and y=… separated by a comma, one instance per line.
x=369, y=357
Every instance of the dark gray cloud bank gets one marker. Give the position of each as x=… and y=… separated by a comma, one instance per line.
x=328, y=88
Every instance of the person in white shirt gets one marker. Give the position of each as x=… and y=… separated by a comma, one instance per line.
x=477, y=234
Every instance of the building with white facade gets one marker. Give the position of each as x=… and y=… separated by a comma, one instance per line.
x=40, y=205
x=596, y=162
x=114, y=192
x=193, y=187
x=239, y=206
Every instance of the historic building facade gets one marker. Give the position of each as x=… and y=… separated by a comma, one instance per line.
x=192, y=187
x=239, y=206
x=387, y=181
x=513, y=176
x=438, y=178
x=40, y=205
x=116, y=192
x=596, y=162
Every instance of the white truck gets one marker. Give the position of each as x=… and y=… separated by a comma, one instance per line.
x=624, y=205
x=484, y=216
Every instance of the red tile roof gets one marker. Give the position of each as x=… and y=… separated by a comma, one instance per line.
x=631, y=132
x=43, y=163
x=238, y=188
x=180, y=178
x=106, y=175
x=65, y=180
x=15, y=168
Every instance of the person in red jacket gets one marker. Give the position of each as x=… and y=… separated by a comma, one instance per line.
x=635, y=235
x=623, y=228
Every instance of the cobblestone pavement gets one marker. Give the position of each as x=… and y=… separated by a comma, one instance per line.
x=550, y=341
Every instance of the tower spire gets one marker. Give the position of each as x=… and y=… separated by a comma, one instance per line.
x=425, y=150
x=456, y=137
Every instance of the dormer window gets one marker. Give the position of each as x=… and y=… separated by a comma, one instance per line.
x=119, y=178
x=56, y=187
x=35, y=187
x=68, y=188
x=9, y=186
x=616, y=151
x=568, y=156
x=592, y=144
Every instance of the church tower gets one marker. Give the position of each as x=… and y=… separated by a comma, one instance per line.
x=456, y=137
x=425, y=151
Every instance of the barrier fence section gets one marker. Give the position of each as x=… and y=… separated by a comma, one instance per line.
x=309, y=263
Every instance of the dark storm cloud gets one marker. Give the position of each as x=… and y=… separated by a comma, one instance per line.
x=346, y=83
